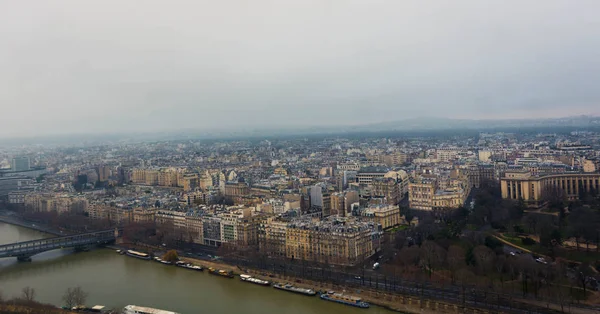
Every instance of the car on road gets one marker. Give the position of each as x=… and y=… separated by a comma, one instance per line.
x=357, y=277
x=541, y=260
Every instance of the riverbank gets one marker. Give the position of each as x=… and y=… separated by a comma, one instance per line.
x=17, y=221
x=34, y=308
x=393, y=302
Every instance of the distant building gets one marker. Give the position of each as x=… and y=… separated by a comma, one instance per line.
x=14, y=183
x=20, y=163
x=484, y=155
x=103, y=173
x=367, y=174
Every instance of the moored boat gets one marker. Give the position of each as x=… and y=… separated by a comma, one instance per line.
x=136, y=254
x=134, y=309
x=189, y=266
x=344, y=299
x=220, y=272
x=253, y=280
x=288, y=287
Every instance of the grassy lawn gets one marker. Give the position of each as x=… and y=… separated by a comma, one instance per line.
x=398, y=228
x=572, y=255
x=518, y=242
x=579, y=256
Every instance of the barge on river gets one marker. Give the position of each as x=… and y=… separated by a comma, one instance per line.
x=344, y=299
x=188, y=266
x=134, y=309
x=253, y=280
x=220, y=272
x=290, y=288
x=137, y=254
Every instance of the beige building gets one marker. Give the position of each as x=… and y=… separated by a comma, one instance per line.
x=420, y=193
x=534, y=190
x=449, y=198
x=45, y=202
x=433, y=193
x=387, y=188
x=194, y=227
x=190, y=182
x=272, y=238
x=388, y=216
x=395, y=159
x=333, y=241
x=239, y=227
x=589, y=166
x=236, y=191
x=143, y=215
x=116, y=215
x=446, y=154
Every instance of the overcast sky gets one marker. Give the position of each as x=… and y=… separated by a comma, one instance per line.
x=94, y=66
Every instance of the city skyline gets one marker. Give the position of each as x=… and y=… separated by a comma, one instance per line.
x=101, y=68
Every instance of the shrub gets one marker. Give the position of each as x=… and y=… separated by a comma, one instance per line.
x=518, y=229
x=492, y=242
x=528, y=241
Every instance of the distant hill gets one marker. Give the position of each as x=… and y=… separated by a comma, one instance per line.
x=407, y=125
x=447, y=123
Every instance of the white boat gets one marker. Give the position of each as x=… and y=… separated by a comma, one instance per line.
x=251, y=279
x=134, y=309
x=136, y=254
x=290, y=288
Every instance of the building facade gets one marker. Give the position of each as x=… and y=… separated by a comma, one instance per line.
x=535, y=190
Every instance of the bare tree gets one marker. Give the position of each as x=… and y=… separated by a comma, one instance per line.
x=28, y=294
x=499, y=265
x=465, y=276
x=456, y=259
x=433, y=255
x=484, y=257
x=74, y=296
x=409, y=256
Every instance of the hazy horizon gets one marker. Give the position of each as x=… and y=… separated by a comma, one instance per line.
x=111, y=66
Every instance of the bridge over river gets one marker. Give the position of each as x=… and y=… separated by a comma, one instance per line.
x=24, y=250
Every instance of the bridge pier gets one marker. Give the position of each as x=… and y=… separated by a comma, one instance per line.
x=24, y=258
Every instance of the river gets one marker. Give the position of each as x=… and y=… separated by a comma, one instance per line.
x=115, y=280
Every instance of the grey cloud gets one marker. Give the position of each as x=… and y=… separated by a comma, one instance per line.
x=71, y=66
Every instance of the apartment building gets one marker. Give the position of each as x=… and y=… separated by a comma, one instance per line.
x=420, y=193
x=334, y=241
x=388, y=216
x=45, y=202
x=272, y=237
x=143, y=215
x=367, y=174
x=387, y=188
x=195, y=228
